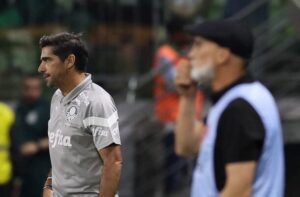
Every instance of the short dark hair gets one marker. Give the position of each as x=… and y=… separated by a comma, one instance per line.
x=65, y=44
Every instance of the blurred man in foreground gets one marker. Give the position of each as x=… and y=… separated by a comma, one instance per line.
x=240, y=145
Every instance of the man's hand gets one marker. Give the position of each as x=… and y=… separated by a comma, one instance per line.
x=29, y=148
x=185, y=85
x=43, y=144
x=47, y=192
x=189, y=131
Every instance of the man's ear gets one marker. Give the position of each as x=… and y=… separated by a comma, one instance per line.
x=223, y=55
x=70, y=61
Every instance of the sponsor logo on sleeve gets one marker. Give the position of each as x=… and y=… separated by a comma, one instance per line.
x=99, y=131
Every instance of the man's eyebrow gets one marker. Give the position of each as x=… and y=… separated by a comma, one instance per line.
x=45, y=58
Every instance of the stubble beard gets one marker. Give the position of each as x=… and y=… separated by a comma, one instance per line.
x=52, y=82
x=203, y=74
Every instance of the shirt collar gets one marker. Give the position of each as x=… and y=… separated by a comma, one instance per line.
x=247, y=78
x=78, y=89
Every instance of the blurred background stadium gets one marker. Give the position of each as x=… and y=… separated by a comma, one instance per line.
x=122, y=36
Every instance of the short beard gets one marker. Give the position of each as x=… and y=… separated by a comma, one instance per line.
x=203, y=74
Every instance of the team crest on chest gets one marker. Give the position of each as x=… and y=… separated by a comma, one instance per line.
x=72, y=112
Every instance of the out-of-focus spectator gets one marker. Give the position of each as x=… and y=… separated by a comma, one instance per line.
x=168, y=56
x=7, y=118
x=30, y=140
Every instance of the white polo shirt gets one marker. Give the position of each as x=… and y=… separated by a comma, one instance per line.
x=81, y=123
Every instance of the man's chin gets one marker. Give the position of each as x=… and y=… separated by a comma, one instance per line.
x=49, y=84
x=202, y=75
x=202, y=79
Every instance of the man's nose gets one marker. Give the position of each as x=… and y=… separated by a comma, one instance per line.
x=41, y=68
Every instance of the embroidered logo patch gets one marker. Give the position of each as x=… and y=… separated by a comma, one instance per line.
x=72, y=112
